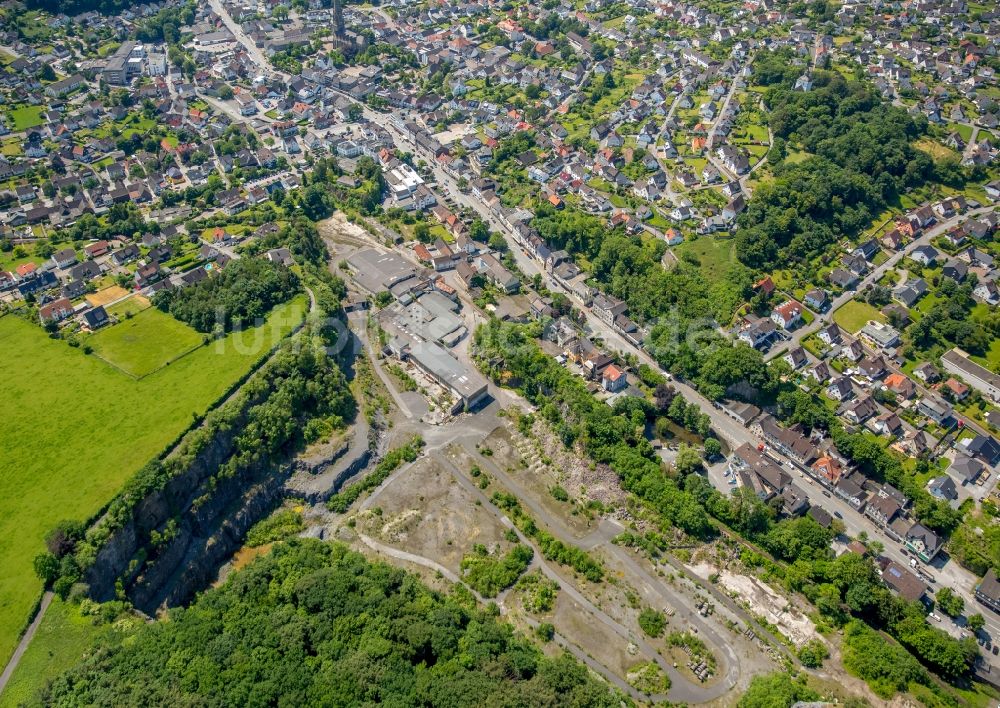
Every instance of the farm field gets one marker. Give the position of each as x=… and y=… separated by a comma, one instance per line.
x=145, y=342
x=854, y=315
x=81, y=428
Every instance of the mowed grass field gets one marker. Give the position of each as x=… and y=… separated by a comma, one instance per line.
x=713, y=255
x=24, y=117
x=145, y=342
x=854, y=315
x=74, y=429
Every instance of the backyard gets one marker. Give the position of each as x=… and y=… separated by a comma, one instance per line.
x=82, y=427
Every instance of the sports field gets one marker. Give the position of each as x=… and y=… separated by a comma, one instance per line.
x=145, y=342
x=74, y=428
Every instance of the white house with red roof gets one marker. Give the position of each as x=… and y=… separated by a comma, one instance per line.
x=613, y=379
x=787, y=315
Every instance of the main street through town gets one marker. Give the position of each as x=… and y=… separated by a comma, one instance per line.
x=733, y=433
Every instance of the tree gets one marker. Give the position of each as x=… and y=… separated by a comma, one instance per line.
x=64, y=537
x=713, y=448
x=976, y=622
x=497, y=242
x=777, y=690
x=422, y=232
x=949, y=603
x=663, y=396
x=46, y=567
x=813, y=652
x=479, y=231
x=47, y=73
x=652, y=622
x=688, y=460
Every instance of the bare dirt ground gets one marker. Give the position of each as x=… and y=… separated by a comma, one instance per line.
x=109, y=294
x=340, y=230
x=539, y=473
x=427, y=513
x=633, y=581
x=763, y=600
x=595, y=638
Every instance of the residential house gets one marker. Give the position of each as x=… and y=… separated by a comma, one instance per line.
x=988, y=591
x=935, y=408
x=56, y=310
x=922, y=541
x=942, y=487
x=787, y=315
x=982, y=447
x=840, y=389
x=613, y=379
x=830, y=335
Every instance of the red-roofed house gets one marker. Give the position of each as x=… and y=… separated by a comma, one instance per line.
x=765, y=285
x=421, y=252
x=829, y=468
x=56, y=310
x=787, y=314
x=613, y=379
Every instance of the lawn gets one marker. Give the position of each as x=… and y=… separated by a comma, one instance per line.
x=935, y=149
x=145, y=342
x=9, y=260
x=854, y=315
x=78, y=428
x=24, y=117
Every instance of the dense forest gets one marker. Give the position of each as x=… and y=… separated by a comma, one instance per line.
x=238, y=296
x=859, y=160
x=316, y=624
